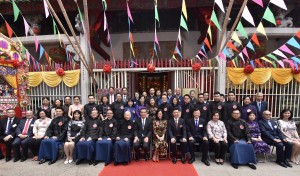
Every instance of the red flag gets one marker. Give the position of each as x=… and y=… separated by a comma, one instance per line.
x=207, y=44
x=255, y=39
x=9, y=30
x=259, y=63
x=230, y=45
x=298, y=34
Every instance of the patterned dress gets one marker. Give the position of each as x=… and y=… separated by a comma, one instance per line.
x=260, y=147
x=152, y=112
x=159, y=128
x=288, y=127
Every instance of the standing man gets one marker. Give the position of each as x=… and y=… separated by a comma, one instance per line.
x=196, y=133
x=166, y=108
x=169, y=95
x=158, y=98
x=142, y=135
x=260, y=105
x=8, y=128
x=111, y=95
x=206, y=97
x=68, y=103
x=177, y=133
x=151, y=95
x=125, y=95
x=231, y=105
x=218, y=106
x=24, y=135
x=193, y=98
x=187, y=108
x=204, y=108
x=88, y=108
x=118, y=107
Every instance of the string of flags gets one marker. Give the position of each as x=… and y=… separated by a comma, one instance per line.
x=156, y=20
x=130, y=36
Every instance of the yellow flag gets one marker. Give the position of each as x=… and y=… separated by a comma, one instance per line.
x=261, y=29
x=131, y=47
x=209, y=33
x=267, y=60
x=233, y=62
x=236, y=38
x=184, y=9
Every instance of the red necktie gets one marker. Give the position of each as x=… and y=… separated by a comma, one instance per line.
x=111, y=99
x=26, y=127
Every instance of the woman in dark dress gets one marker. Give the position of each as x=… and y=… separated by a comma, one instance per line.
x=140, y=106
x=73, y=134
x=260, y=147
x=247, y=107
x=45, y=106
x=152, y=108
x=103, y=107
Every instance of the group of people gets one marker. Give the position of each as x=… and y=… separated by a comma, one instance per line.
x=119, y=126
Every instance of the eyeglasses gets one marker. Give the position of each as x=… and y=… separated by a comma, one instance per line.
x=268, y=114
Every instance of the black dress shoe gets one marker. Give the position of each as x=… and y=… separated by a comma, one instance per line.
x=146, y=157
x=95, y=163
x=51, y=162
x=281, y=164
x=252, y=166
x=1, y=157
x=42, y=161
x=7, y=159
x=78, y=161
x=235, y=166
x=191, y=160
x=174, y=160
x=125, y=163
x=183, y=160
x=288, y=164
x=206, y=162
x=23, y=159
x=106, y=164
x=91, y=162
x=16, y=159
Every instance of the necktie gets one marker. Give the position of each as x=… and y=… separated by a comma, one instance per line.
x=9, y=126
x=143, y=123
x=25, y=130
x=196, y=123
x=176, y=122
x=259, y=106
x=270, y=124
x=111, y=99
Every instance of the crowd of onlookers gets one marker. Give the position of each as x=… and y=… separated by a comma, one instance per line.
x=159, y=123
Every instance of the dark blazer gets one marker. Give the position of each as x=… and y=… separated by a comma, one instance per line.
x=267, y=133
x=14, y=125
x=148, y=128
x=177, y=132
x=263, y=107
x=108, y=96
x=192, y=131
x=21, y=127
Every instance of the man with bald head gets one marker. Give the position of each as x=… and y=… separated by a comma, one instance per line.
x=272, y=135
x=260, y=105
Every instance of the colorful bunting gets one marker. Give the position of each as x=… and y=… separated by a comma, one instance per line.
x=9, y=30
x=259, y=2
x=46, y=8
x=255, y=39
x=209, y=34
x=296, y=59
x=279, y=3
x=129, y=13
x=272, y=57
x=104, y=5
x=245, y=52
x=105, y=22
x=281, y=63
x=231, y=45
x=220, y=4
x=183, y=9
x=156, y=15
x=241, y=29
x=16, y=10
x=293, y=43
x=179, y=36
x=203, y=49
x=249, y=45
x=290, y=62
x=268, y=15
x=178, y=52
x=286, y=49
x=225, y=51
x=36, y=42
x=41, y=51
x=200, y=52
x=279, y=53
x=236, y=38
x=247, y=16
x=183, y=23
x=214, y=19
x=207, y=44
x=252, y=64
x=261, y=29
x=267, y=60
x=242, y=57
x=222, y=56
x=156, y=39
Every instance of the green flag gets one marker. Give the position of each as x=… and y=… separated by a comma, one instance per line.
x=272, y=57
x=80, y=15
x=183, y=23
x=104, y=5
x=54, y=27
x=241, y=29
x=156, y=16
x=274, y=64
x=16, y=10
x=214, y=19
x=268, y=15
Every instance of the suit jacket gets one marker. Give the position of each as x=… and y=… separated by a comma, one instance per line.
x=147, y=132
x=193, y=131
x=263, y=107
x=126, y=99
x=21, y=127
x=177, y=132
x=58, y=127
x=108, y=96
x=267, y=133
x=14, y=125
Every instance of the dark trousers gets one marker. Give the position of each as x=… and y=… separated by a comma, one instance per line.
x=283, y=150
x=8, y=146
x=24, y=143
x=34, y=146
x=219, y=149
x=145, y=146
x=204, y=145
x=174, y=148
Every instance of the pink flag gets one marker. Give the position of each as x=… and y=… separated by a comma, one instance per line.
x=179, y=36
x=129, y=13
x=259, y=2
x=26, y=26
x=105, y=22
x=245, y=52
x=242, y=57
x=27, y=55
x=200, y=52
x=36, y=42
x=108, y=37
x=281, y=63
x=222, y=56
x=279, y=53
x=46, y=9
x=155, y=39
x=286, y=49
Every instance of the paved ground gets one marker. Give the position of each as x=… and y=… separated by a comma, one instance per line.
x=30, y=168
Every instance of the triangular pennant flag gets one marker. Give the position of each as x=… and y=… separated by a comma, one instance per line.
x=259, y=63
x=129, y=13
x=230, y=45
x=200, y=52
x=104, y=5
x=268, y=15
x=46, y=9
x=236, y=38
x=252, y=64
x=156, y=15
x=217, y=58
x=279, y=3
x=233, y=62
x=241, y=29
x=41, y=51
x=36, y=42
x=54, y=27
x=9, y=30
x=249, y=45
x=255, y=39
x=220, y=4
x=108, y=36
x=59, y=38
x=279, y=53
x=183, y=23
x=26, y=26
x=272, y=57
x=281, y=63
x=286, y=49
x=242, y=57
x=131, y=37
x=207, y=44
x=179, y=36
x=296, y=65
x=209, y=34
x=156, y=39
x=16, y=10
x=105, y=22
x=259, y=2
x=184, y=9
x=222, y=56
x=261, y=29
x=225, y=51
x=293, y=43
x=267, y=60
x=131, y=47
x=274, y=64
x=27, y=55
x=203, y=49
x=214, y=19
x=296, y=59
x=178, y=52
x=247, y=16
x=245, y=52
x=290, y=62
x=298, y=34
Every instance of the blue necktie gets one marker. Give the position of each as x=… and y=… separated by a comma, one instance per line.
x=259, y=106
x=196, y=123
x=270, y=124
x=8, y=127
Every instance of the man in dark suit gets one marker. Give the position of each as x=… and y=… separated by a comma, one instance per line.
x=272, y=135
x=125, y=95
x=187, y=108
x=24, y=135
x=111, y=95
x=196, y=133
x=218, y=106
x=142, y=135
x=151, y=95
x=118, y=108
x=203, y=107
x=8, y=128
x=260, y=105
x=231, y=105
x=166, y=108
x=177, y=133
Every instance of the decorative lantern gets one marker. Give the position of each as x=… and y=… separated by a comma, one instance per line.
x=196, y=67
x=248, y=69
x=60, y=72
x=107, y=69
x=151, y=68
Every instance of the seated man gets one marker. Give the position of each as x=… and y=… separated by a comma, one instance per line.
x=241, y=149
x=272, y=135
x=177, y=132
x=196, y=132
x=24, y=135
x=107, y=135
x=8, y=128
x=142, y=135
x=85, y=148
x=54, y=137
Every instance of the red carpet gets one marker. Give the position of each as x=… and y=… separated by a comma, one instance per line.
x=143, y=168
